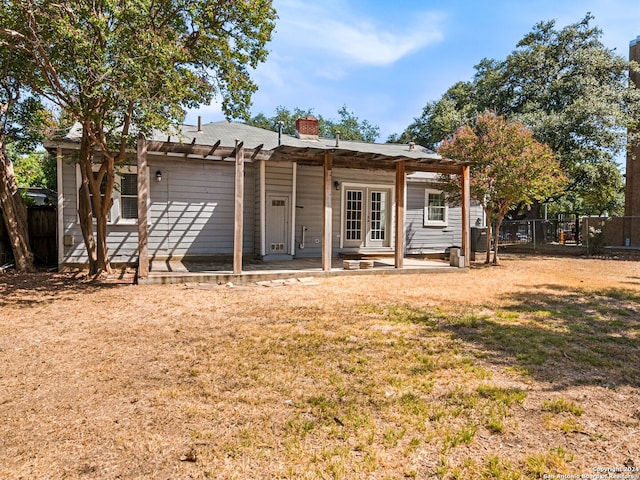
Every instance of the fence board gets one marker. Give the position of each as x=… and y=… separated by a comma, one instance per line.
x=42, y=236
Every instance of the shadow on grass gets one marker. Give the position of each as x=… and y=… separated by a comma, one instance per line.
x=27, y=289
x=558, y=335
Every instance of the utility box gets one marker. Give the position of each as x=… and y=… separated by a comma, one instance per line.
x=478, y=239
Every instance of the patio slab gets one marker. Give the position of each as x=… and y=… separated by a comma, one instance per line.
x=172, y=271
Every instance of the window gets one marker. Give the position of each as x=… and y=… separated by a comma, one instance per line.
x=125, y=194
x=435, y=208
x=129, y=196
x=353, y=215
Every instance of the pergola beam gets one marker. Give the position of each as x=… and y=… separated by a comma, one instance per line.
x=466, y=216
x=400, y=213
x=238, y=222
x=327, y=212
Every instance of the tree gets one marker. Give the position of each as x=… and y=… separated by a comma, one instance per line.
x=508, y=168
x=21, y=116
x=127, y=68
x=35, y=169
x=567, y=87
x=349, y=126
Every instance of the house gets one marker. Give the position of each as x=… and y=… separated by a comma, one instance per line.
x=229, y=189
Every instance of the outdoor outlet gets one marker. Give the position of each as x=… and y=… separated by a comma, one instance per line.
x=317, y=240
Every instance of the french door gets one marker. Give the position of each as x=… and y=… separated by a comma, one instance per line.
x=366, y=216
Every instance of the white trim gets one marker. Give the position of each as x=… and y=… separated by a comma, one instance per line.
x=263, y=208
x=434, y=223
x=116, y=212
x=367, y=187
x=60, y=219
x=270, y=198
x=294, y=187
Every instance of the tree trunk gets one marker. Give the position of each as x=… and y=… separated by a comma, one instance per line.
x=495, y=245
x=90, y=201
x=102, y=262
x=14, y=213
x=84, y=205
x=487, y=258
x=86, y=225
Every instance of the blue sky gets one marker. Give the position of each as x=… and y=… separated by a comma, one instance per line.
x=386, y=59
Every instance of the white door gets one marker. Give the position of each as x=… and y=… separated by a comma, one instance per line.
x=353, y=217
x=378, y=235
x=277, y=224
x=366, y=217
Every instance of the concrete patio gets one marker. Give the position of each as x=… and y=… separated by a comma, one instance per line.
x=220, y=272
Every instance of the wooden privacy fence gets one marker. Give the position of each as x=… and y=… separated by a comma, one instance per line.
x=42, y=236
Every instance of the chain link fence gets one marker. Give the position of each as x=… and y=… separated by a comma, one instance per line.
x=607, y=231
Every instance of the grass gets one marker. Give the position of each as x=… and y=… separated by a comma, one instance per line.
x=370, y=379
x=562, y=406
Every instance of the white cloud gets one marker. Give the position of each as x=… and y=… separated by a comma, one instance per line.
x=334, y=30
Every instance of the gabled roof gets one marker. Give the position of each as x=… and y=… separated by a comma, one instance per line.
x=275, y=147
x=311, y=152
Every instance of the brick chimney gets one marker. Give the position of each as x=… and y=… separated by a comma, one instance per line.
x=307, y=128
x=631, y=228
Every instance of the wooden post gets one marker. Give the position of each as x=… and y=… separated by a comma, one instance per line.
x=263, y=208
x=466, y=216
x=239, y=209
x=327, y=213
x=143, y=196
x=400, y=209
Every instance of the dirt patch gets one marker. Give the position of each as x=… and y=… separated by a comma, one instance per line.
x=516, y=371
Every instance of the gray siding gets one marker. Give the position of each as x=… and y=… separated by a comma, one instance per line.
x=191, y=212
x=310, y=206
x=257, y=234
x=122, y=240
x=420, y=239
x=429, y=239
x=192, y=209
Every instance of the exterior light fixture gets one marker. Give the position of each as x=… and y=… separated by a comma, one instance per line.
x=158, y=176
x=336, y=185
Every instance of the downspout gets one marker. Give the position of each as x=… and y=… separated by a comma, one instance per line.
x=294, y=188
x=263, y=208
x=60, y=209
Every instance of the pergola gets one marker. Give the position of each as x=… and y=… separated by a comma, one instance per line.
x=399, y=159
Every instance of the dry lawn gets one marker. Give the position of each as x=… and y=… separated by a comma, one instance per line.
x=509, y=372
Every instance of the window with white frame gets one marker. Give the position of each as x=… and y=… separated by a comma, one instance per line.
x=129, y=196
x=435, y=208
x=125, y=194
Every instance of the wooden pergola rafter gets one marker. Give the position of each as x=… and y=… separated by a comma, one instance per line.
x=321, y=156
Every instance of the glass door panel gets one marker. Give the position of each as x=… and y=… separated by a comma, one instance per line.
x=353, y=217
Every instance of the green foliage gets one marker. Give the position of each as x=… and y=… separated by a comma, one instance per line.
x=36, y=169
x=147, y=60
x=508, y=167
x=349, y=126
x=569, y=89
x=128, y=68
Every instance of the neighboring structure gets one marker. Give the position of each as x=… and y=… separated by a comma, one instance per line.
x=631, y=225
x=232, y=189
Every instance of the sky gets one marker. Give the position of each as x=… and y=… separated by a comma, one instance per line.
x=385, y=60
